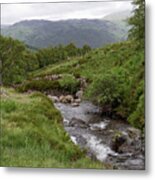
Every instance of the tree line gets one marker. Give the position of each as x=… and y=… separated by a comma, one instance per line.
x=16, y=60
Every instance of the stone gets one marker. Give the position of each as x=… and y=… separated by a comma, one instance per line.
x=3, y=93
x=53, y=98
x=134, y=133
x=77, y=100
x=62, y=98
x=83, y=82
x=78, y=123
x=118, y=140
x=53, y=77
x=75, y=104
x=66, y=99
x=29, y=91
x=79, y=94
x=69, y=98
x=37, y=78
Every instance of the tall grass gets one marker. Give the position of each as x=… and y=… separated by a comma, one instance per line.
x=33, y=135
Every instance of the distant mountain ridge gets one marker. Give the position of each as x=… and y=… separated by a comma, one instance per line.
x=120, y=19
x=43, y=33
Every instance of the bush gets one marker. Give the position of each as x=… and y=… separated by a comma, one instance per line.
x=69, y=83
x=39, y=85
x=137, y=117
x=108, y=89
x=16, y=61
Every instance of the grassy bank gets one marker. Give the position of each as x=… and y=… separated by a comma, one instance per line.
x=33, y=135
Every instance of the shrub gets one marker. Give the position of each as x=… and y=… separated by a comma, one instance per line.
x=69, y=83
x=39, y=85
x=16, y=61
x=108, y=89
x=137, y=117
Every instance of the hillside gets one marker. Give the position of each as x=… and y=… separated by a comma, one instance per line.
x=114, y=76
x=111, y=77
x=41, y=33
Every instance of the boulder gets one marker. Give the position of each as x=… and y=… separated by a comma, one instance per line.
x=83, y=82
x=53, y=98
x=37, y=78
x=134, y=133
x=69, y=98
x=118, y=140
x=62, y=99
x=79, y=94
x=75, y=104
x=53, y=77
x=29, y=91
x=78, y=123
x=77, y=100
x=66, y=99
x=3, y=93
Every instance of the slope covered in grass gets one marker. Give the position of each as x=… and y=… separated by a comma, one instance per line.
x=115, y=79
x=33, y=135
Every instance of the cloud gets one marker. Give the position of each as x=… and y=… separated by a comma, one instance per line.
x=11, y=13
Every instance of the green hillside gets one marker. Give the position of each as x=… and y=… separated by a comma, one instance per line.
x=114, y=80
x=115, y=77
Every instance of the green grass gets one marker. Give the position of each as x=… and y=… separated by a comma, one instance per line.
x=57, y=68
x=33, y=135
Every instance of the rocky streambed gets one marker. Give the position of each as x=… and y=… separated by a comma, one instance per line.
x=113, y=142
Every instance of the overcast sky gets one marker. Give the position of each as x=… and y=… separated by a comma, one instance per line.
x=12, y=13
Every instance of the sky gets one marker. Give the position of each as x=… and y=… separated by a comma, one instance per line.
x=12, y=13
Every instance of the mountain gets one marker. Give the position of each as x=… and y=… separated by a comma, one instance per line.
x=120, y=19
x=43, y=33
x=4, y=26
x=118, y=16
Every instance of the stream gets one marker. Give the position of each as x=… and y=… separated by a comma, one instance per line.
x=113, y=142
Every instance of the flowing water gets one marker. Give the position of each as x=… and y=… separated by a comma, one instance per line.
x=113, y=142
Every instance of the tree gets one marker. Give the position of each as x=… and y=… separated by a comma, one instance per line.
x=71, y=50
x=137, y=22
x=12, y=67
x=15, y=61
x=86, y=48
